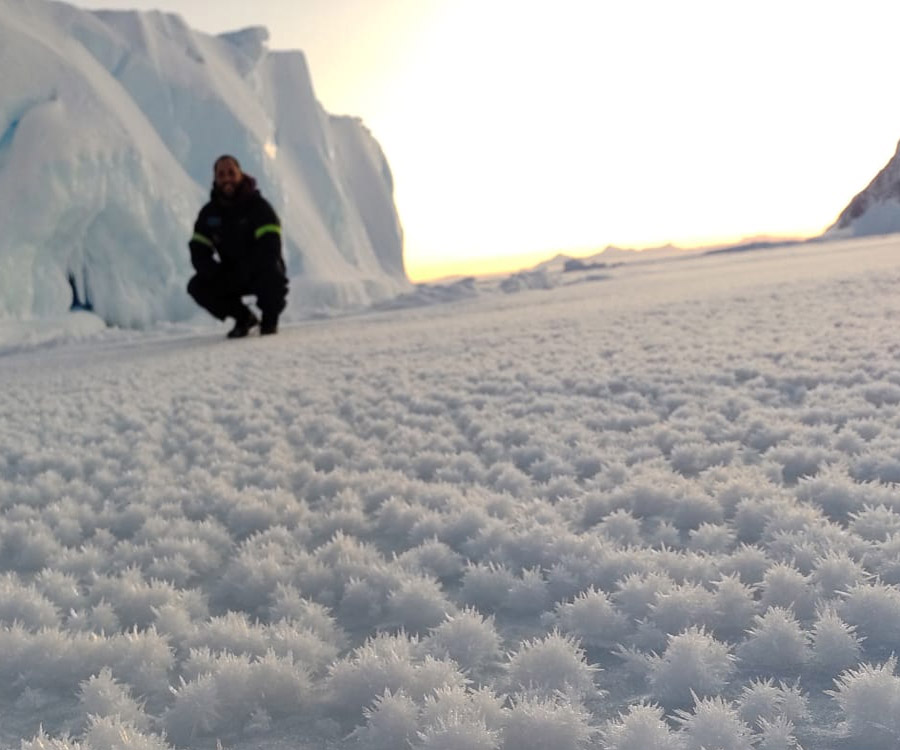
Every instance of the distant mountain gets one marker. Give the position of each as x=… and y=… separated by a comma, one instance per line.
x=109, y=125
x=875, y=210
x=610, y=255
x=615, y=256
x=760, y=244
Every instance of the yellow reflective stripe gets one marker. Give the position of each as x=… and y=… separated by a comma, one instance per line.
x=266, y=229
x=201, y=239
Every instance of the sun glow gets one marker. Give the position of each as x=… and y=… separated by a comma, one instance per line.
x=537, y=131
x=421, y=269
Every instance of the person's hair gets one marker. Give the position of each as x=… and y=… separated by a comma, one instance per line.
x=222, y=158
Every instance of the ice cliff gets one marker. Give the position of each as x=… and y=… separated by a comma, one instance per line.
x=109, y=124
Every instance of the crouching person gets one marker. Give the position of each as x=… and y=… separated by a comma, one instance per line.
x=236, y=251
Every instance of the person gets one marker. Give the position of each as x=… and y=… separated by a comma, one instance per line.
x=236, y=251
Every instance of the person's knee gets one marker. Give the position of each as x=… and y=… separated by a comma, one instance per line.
x=195, y=286
x=203, y=290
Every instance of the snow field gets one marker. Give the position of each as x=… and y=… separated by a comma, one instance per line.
x=655, y=511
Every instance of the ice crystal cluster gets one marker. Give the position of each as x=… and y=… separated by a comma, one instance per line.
x=654, y=512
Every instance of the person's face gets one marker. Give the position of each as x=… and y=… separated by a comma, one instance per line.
x=227, y=177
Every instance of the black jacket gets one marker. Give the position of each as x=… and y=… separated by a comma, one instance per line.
x=243, y=231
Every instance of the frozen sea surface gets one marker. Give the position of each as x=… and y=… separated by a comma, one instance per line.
x=516, y=519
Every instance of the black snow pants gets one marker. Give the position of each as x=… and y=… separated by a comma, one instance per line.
x=220, y=292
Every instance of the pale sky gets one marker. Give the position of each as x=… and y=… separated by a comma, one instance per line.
x=516, y=129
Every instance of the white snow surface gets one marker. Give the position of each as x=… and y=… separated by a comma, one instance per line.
x=657, y=509
x=109, y=125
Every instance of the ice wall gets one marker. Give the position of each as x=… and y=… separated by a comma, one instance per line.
x=109, y=124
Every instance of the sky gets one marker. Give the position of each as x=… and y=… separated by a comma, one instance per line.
x=516, y=129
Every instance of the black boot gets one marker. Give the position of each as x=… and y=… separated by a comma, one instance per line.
x=269, y=324
x=243, y=325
